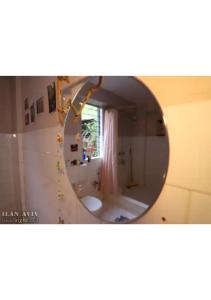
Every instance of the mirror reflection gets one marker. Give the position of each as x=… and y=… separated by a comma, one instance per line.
x=116, y=151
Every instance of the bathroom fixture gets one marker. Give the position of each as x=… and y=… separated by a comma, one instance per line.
x=131, y=167
x=131, y=182
x=92, y=203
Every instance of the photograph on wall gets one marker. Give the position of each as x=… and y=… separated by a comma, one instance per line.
x=40, y=105
x=74, y=147
x=32, y=112
x=26, y=119
x=52, y=97
x=26, y=103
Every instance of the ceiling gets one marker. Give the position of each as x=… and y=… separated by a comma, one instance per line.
x=168, y=90
x=127, y=87
x=174, y=90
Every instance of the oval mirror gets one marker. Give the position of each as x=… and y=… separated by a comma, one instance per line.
x=116, y=150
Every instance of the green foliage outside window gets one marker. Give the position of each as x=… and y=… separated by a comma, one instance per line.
x=90, y=130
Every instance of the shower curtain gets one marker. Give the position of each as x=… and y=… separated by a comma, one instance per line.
x=109, y=180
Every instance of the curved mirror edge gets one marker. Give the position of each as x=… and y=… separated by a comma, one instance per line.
x=83, y=174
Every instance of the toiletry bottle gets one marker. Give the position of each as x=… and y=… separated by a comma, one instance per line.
x=84, y=154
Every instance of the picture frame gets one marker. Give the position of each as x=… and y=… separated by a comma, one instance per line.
x=52, y=97
x=32, y=113
x=27, y=119
x=74, y=147
x=40, y=105
x=26, y=103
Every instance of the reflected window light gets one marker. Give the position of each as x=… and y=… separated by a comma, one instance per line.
x=14, y=135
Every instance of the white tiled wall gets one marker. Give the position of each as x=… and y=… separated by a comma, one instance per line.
x=137, y=145
x=190, y=140
x=6, y=173
x=200, y=208
x=186, y=197
x=9, y=179
x=173, y=205
x=43, y=180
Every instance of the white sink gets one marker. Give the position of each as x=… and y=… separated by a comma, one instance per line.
x=92, y=203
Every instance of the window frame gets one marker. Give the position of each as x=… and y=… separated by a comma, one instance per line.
x=100, y=131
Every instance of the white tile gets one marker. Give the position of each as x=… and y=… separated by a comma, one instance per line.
x=42, y=184
x=189, y=129
x=172, y=204
x=42, y=140
x=200, y=209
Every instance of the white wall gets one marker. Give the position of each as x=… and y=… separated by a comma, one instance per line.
x=41, y=152
x=9, y=176
x=186, y=196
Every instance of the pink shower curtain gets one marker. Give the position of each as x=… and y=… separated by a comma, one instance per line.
x=109, y=180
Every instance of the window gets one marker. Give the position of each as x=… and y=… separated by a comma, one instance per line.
x=91, y=120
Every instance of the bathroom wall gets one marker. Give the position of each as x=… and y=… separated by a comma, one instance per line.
x=186, y=196
x=131, y=136
x=139, y=131
x=9, y=167
x=80, y=175
x=157, y=150
x=47, y=189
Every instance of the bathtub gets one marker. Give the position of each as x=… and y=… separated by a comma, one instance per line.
x=141, y=194
x=134, y=207
x=114, y=206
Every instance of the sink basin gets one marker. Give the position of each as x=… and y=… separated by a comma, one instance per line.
x=92, y=203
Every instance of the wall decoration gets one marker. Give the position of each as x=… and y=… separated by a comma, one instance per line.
x=59, y=168
x=26, y=103
x=52, y=97
x=61, y=221
x=60, y=195
x=74, y=147
x=78, y=137
x=64, y=106
x=40, y=105
x=76, y=162
x=26, y=119
x=59, y=138
x=32, y=111
x=67, y=162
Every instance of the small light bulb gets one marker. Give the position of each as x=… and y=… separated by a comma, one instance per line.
x=14, y=135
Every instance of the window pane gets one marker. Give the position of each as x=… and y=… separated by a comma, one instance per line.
x=90, y=119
